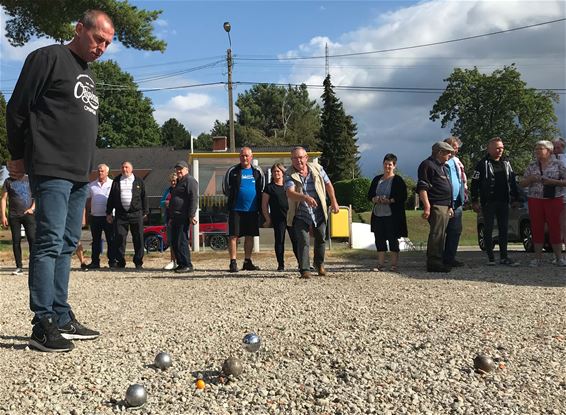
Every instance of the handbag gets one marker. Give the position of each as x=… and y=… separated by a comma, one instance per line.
x=548, y=190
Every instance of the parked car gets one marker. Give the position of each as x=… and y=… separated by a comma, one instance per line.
x=213, y=228
x=519, y=229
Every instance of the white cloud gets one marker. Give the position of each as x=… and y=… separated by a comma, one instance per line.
x=196, y=111
x=387, y=117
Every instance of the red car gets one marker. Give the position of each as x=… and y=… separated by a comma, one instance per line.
x=213, y=228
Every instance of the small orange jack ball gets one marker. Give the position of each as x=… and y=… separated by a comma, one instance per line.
x=200, y=384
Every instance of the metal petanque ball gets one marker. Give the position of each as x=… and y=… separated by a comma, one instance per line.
x=251, y=342
x=232, y=367
x=483, y=363
x=163, y=361
x=136, y=395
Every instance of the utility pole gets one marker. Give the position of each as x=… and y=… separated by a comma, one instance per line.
x=232, y=140
x=326, y=61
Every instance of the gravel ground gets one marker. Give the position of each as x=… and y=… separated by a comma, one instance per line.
x=353, y=342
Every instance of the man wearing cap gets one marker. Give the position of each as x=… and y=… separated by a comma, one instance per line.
x=435, y=191
x=127, y=198
x=182, y=210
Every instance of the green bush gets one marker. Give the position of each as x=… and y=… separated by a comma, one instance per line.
x=353, y=192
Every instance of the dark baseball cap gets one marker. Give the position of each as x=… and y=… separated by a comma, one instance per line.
x=182, y=164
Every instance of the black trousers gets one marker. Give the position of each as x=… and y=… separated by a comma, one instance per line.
x=98, y=224
x=180, y=243
x=279, y=229
x=499, y=211
x=134, y=223
x=15, y=227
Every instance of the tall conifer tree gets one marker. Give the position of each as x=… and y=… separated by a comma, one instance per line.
x=338, y=139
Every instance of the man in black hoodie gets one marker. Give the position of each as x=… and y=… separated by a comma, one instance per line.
x=52, y=124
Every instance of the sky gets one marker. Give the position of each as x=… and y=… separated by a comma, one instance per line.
x=265, y=34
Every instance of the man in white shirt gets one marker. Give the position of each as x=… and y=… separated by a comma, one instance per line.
x=127, y=198
x=99, y=190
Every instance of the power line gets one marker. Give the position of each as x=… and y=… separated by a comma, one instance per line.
x=443, y=42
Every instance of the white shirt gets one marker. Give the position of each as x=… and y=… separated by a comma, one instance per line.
x=126, y=185
x=99, y=196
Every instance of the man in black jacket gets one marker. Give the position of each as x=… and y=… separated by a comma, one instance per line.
x=182, y=210
x=494, y=187
x=52, y=124
x=243, y=184
x=128, y=201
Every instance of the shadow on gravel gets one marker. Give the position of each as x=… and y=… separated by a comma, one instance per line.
x=413, y=265
x=211, y=274
x=15, y=346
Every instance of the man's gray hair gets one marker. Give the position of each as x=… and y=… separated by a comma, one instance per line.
x=559, y=140
x=103, y=165
x=452, y=140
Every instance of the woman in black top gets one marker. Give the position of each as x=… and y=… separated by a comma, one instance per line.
x=274, y=208
x=388, y=192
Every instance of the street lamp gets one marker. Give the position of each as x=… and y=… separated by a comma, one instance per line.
x=229, y=61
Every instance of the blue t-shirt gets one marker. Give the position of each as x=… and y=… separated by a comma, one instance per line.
x=247, y=197
x=454, y=178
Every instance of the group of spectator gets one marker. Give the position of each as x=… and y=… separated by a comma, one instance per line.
x=294, y=202
x=443, y=191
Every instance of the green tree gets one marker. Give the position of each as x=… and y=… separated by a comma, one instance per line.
x=174, y=134
x=55, y=19
x=340, y=157
x=4, y=154
x=282, y=115
x=203, y=142
x=244, y=135
x=126, y=116
x=481, y=106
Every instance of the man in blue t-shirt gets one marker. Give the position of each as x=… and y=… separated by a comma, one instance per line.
x=243, y=184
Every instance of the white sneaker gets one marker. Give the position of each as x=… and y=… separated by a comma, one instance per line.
x=18, y=271
x=170, y=265
x=559, y=262
x=534, y=263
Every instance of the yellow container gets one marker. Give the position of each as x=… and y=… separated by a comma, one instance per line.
x=340, y=223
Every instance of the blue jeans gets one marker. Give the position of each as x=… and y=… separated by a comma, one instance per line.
x=302, y=238
x=453, y=232
x=59, y=205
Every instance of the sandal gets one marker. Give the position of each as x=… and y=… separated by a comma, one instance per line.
x=379, y=268
x=393, y=268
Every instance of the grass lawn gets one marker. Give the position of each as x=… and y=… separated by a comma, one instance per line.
x=418, y=227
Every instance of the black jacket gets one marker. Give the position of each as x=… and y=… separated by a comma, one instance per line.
x=483, y=182
x=231, y=184
x=399, y=194
x=184, y=200
x=139, y=200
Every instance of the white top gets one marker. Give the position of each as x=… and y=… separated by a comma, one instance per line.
x=126, y=185
x=99, y=196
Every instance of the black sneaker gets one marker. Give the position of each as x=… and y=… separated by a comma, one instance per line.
x=281, y=268
x=84, y=266
x=93, y=265
x=249, y=266
x=182, y=270
x=233, y=266
x=46, y=337
x=74, y=330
